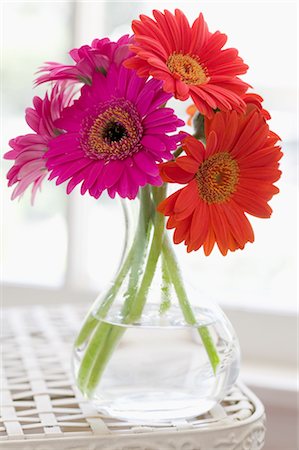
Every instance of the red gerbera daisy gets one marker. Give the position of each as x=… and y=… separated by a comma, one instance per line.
x=189, y=60
x=250, y=99
x=255, y=101
x=232, y=176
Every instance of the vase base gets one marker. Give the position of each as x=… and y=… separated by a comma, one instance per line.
x=149, y=408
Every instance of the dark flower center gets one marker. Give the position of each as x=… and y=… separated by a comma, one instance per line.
x=114, y=132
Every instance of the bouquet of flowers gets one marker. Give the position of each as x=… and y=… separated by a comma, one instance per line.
x=104, y=124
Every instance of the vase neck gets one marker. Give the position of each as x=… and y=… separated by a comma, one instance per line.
x=149, y=283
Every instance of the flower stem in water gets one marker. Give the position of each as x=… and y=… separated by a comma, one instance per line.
x=178, y=284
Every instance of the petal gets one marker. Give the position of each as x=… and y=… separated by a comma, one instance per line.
x=188, y=164
x=188, y=196
x=194, y=148
x=199, y=226
x=153, y=142
x=166, y=207
x=111, y=173
x=145, y=163
x=172, y=173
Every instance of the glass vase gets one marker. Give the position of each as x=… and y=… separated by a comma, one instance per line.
x=150, y=349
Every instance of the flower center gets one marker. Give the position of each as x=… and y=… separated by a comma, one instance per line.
x=217, y=178
x=112, y=131
x=188, y=68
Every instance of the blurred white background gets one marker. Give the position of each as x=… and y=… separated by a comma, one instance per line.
x=63, y=245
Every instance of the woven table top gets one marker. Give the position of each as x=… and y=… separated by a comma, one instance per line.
x=42, y=409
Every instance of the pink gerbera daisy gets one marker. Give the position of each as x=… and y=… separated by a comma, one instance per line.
x=189, y=60
x=29, y=150
x=115, y=133
x=88, y=59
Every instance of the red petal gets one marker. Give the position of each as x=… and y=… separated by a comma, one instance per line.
x=193, y=148
x=172, y=173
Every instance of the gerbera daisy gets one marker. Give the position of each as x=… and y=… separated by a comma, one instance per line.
x=232, y=176
x=29, y=150
x=88, y=59
x=189, y=60
x=250, y=99
x=115, y=133
x=255, y=101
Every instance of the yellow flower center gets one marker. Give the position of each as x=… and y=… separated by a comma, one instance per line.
x=217, y=178
x=188, y=68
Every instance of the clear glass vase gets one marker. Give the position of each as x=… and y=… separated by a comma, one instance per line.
x=150, y=349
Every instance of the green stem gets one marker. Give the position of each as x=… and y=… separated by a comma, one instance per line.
x=178, y=284
x=113, y=337
x=91, y=321
x=105, y=337
x=140, y=248
x=131, y=262
x=92, y=324
x=154, y=253
x=88, y=326
x=96, y=357
x=166, y=287
x=134, y=304
x=95, y=345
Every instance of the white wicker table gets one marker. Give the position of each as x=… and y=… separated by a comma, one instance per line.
x=43, y=410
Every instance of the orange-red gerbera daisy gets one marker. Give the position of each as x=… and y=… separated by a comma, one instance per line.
x=189, y=60
x=250, y=99
x=232, y=176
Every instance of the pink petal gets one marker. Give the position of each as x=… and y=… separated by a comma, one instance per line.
x=153, y=142
x=111, y=173
x=145, y=163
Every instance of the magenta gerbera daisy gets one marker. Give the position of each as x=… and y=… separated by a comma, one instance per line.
x=115, y=134
x=28, y=151
x=87, y=60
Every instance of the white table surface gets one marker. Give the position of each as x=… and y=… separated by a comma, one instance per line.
x=43, y=410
